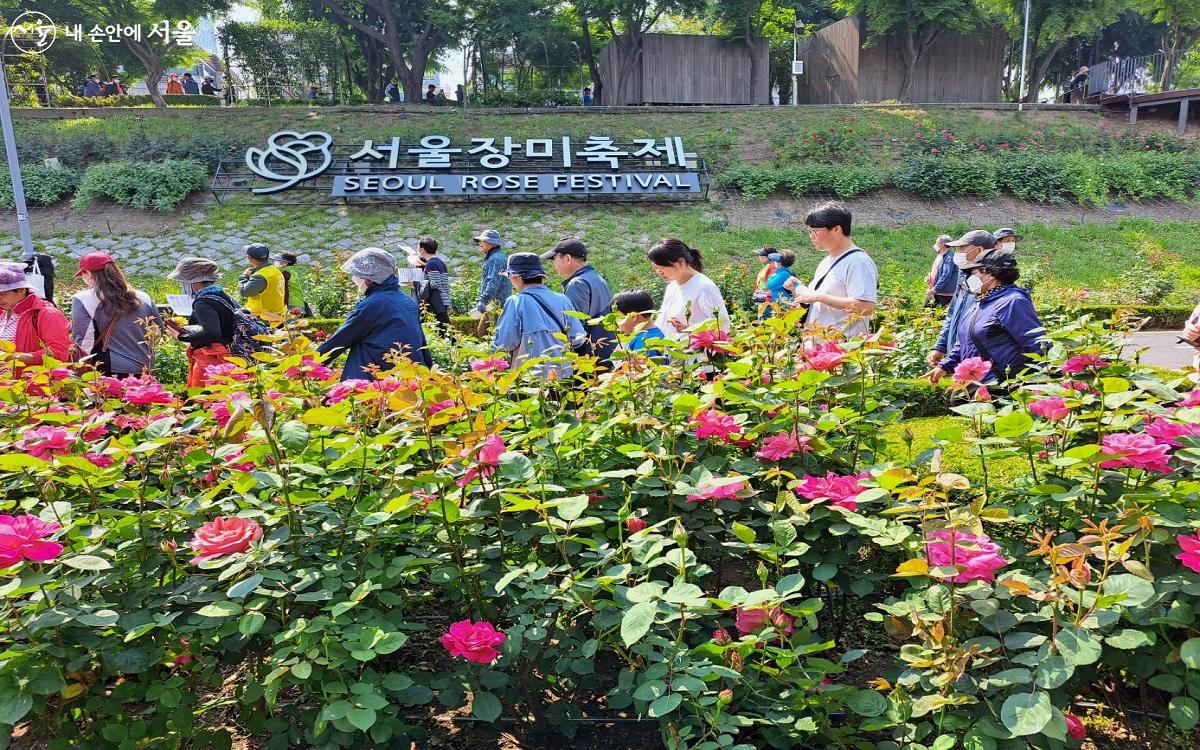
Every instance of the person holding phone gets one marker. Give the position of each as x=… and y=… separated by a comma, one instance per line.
x=1191, y=335
x=691, y=297
x=212, y=318
x=845, y=285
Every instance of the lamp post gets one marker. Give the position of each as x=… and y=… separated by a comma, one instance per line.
x=1024, y=52
x=795, y=52
x=14, y=168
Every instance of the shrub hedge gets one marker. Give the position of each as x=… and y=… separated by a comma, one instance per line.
x=43, y=186
x=134, y=100
x=161, y=185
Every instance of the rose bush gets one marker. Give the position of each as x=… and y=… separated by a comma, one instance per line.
x=709, y=543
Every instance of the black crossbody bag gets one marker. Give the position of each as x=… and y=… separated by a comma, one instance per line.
x=584, y=349
x=817, y=286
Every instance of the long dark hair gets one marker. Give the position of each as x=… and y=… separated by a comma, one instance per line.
x=116, y=295
x=669, y=251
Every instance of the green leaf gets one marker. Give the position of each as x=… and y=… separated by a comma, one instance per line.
x=293, y=435
x=87, y=562
x=302, y=670
x=1014, y=424
x=220, y=609
x=323, y=416
x=938, y=598
x=360, y=718
x=20, y=461
x=251, y=623
x=571, y=508
x=825, y=571
x=98, y=619
x=1026, y=713
x=1078, y=646
x=241, y=588
x=486, y=706
x=14, y=707
x=974, y=739
x=636, y=622
x=132, y=660
x=664, y=705
x=1053, y=672
x=1136, y=590
x=743, y=532
x=1128, y=639
x=650, y=690
x=867, y=703
x=1166, y=682
x=1189, y=653
x=1184, y=712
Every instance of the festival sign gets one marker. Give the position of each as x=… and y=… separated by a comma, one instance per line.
x=299, y=166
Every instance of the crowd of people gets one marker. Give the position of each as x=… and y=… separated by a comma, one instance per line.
x=93, y=86
x=972, y=278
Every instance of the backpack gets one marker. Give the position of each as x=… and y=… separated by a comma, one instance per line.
x=245, y=327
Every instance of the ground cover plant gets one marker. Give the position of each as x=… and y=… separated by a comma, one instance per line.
x=693, y=542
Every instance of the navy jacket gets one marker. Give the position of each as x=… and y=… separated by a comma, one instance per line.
x=1007, y=325
x=385, y=319
x=591, y=295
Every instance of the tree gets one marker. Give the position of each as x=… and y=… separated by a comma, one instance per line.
x=1052, y=23
x=412, y=31
x=157, y=53
x=1180, y=31
x=628, y=22
x=918, y=24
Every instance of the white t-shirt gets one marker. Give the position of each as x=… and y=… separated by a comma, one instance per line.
x=856, y=277
x=707, y=304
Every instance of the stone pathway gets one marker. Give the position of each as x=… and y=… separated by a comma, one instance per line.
x=1163, y=350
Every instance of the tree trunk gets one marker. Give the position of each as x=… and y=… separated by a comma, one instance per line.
x=589, y=55
x=748, y=40
x=627, y=54
x=151, y=60
x=1039, y=71
x=908, y=59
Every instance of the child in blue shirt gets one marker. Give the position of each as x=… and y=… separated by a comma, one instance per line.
x=638, y=307
x=780, y=295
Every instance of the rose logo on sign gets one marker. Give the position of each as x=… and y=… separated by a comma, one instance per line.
x=33, y=32
x=302, y=156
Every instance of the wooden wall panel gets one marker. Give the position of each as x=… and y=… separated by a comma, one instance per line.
x=688, y=69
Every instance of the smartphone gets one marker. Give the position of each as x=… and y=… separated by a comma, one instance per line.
x=173, y=325
x=1189, y=342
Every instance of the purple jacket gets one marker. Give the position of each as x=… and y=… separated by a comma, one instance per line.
x=1007, y=325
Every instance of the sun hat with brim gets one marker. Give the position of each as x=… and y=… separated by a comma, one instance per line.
x=1005, y=233
x=526, y=265
x=12, y=276
x=978, y=237
x=94, y=262
x=492, y=236
x=195, y=270
x=371, y=263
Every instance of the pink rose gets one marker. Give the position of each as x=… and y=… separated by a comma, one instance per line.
x=145, y=391
x=1166, y=431
x=24, y=538
x=99, y=459
x=1081, y=362
x=474, y=641
x=226, y=370
x=1053, y=409
x=977, y=556
x=106, y=387
x=634, y=525
x=45, y=442
x=339, y=392
x=721, y=637
x=224, y=535
x=711, y=341
x=714, y=424
x=1139, y=451
x=709, y=489
x=94, y=432
x=311, y=369
x=496, y=364
x=983, y=394
x=1075, y=728
x=1191, y=399
x=827, y=356
x=838, y=490
x=1189, y=551
x=489, y=458
x=750, y=620
x=971, y=370
x=440, y=406
x=784, y=445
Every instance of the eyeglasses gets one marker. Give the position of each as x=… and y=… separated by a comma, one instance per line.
x=814, y=230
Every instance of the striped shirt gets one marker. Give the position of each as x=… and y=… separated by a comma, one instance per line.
x=437, y=275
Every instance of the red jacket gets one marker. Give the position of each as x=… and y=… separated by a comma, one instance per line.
x=42, y=328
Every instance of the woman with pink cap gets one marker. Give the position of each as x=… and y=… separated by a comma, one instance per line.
x=33, y=326
x=110, y=320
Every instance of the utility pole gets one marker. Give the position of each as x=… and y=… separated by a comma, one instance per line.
x=14, y=167
x=1024, y=52
x=795, y=52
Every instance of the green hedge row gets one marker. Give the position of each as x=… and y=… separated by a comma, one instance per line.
x=43, y=186
x=134, y=100
x=1047, y=178
x=161, y=185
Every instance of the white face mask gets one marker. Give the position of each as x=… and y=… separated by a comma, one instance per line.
x=975, y=284
x=960, y=259
x=187, y=290
x=361, y=283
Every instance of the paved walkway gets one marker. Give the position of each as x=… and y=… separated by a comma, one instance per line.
x=1163, y=349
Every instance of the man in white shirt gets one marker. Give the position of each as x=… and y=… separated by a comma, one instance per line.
x=845, y=286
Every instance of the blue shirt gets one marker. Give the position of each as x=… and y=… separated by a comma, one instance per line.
x=494, y=285
x=1007, y=326
x=526, y=331
x=591, y=295
x=91, y=88
x=639, y=340
x=946, y=280
x=190, y=86
x=962, y=301
x=385, y=319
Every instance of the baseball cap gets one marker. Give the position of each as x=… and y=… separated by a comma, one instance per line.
x=992, y=260
x=94, y=262
x=256, y=250
x=977, y=237
x=567, y=246
x=1005, y=232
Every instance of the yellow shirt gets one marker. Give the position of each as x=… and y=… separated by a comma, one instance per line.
x=270, y=300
